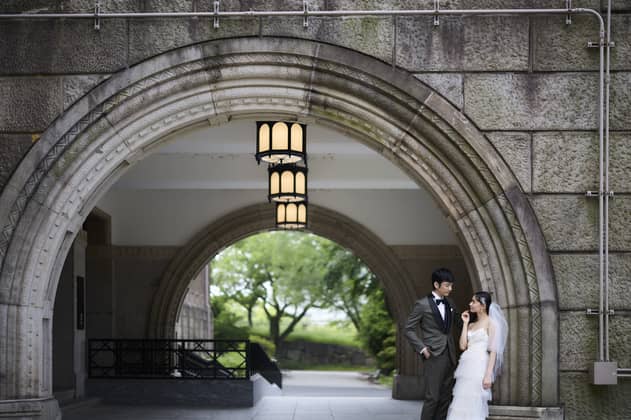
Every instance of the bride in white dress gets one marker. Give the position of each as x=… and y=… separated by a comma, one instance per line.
x=483, y=339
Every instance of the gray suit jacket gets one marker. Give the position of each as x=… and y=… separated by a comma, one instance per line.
x=435, y=333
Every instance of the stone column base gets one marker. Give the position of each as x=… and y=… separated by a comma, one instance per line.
x=511, y=412
x=30, y=409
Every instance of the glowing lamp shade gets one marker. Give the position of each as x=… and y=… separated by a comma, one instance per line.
x=280, y=142
x=291, y=215
x=287, y=183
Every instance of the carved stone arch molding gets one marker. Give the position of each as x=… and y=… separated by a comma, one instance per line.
x=90, y=145
x=250, y=220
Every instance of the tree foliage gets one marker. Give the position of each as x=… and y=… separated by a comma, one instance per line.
x=288, y=273
x=378, y=332
x=349, y=281
x=226, y=322
x=282, y=271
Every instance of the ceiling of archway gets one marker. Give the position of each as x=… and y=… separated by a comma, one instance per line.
x=202, y=173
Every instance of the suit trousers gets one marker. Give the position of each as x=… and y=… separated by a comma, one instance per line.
x=438, y=374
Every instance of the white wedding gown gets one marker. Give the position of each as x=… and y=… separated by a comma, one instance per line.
x=470, y=399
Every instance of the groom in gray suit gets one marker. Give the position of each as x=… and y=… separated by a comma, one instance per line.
x=436, y=317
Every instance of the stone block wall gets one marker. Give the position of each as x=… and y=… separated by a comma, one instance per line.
x=195, y=318
x=137, y=274
x=421, y=260
x=304, y=353
x=529, y=83
x=123, y=280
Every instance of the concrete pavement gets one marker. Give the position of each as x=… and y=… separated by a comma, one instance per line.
x=269, y=408
x=306, y=396
x=305, y=383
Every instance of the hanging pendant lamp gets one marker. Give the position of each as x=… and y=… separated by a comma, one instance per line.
x=287, y=183
x=291, y=216
x=280, y=142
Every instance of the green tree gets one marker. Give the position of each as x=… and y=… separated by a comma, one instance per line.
x=239, y=277
x=349, y=281
x=288, y=273
x=226, y=322
x=282, y=271
x=377, y=331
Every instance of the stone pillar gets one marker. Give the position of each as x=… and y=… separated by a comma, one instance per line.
x=195, y=318
x=80, y=320
x=100, y=304
x=100, y=276
x=69, y=320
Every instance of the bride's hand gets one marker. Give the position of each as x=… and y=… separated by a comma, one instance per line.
x=465, y=317
x=486, y=382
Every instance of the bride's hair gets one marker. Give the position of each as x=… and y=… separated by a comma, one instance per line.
x=485, y=299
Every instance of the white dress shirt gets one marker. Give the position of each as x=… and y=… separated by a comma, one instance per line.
x=441, y=307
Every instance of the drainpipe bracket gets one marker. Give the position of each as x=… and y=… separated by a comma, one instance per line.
x=592, y=44
x=436, y=9
x=590, y=311
x=97, y=19
x=609, y=194
x=216, y=13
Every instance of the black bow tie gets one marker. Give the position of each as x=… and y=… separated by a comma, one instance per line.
x=439, y=301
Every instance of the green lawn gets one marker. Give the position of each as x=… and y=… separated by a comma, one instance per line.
x=340, y=333
x=343, y=334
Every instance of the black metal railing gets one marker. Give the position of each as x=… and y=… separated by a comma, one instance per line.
x=262, y=364
x=177, y=359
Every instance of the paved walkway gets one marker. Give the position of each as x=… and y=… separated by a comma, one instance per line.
x=306, y=396
x=304, y=383
x=270, y=408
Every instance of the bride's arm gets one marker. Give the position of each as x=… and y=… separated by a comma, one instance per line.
x=465, y=326
x=488, y=376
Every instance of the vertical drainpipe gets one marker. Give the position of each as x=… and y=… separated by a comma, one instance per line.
x=603, y=371
x=607, y=191
x=601, y=199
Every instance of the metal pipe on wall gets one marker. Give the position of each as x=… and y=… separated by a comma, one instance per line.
x=304, y=13
x=607, y=192
x=601, y=180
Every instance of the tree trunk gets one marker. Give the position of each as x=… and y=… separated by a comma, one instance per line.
x=274, y=331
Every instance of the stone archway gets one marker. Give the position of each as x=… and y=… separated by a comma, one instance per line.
x=88, y=147
x=237, y=225
x=397, y=282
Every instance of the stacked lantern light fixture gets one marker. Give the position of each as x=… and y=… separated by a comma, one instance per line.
x=283, y=146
